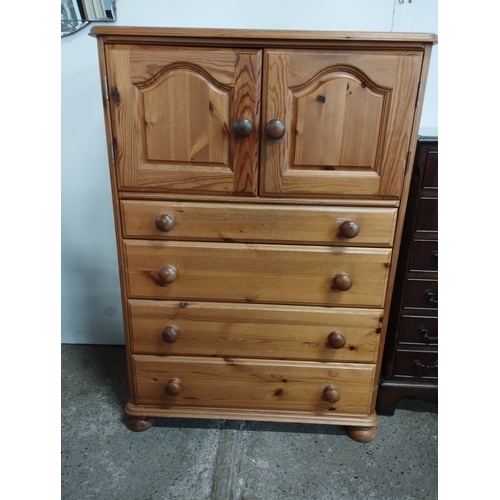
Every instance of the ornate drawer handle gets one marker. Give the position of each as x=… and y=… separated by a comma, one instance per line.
x=242, y=128
x=425, y=332
x=170, y=334
x=342, y=282
x=336, y=340
x=168, y=274
x=349, y=229
x=275, y=129
x=173, y=387
x=434, y=254
x=164, y=223
x=417, y=362
x=430, y=296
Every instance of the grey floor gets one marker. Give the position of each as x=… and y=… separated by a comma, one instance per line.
x=181, y=459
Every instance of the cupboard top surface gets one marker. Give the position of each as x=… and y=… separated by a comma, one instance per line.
x=250, y=37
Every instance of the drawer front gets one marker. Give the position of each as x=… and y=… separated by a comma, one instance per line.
x=424, y=256
x=421, y=294
x=264, y=223
x=418, y=330
x=281, y=274
x=252, y=384
x=427, y=215
x=430, y=176
x=416, y=364
x=254, y=331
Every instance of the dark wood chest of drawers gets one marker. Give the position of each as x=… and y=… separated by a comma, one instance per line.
x=410, y=362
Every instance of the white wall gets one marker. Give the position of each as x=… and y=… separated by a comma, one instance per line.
x=90, y=294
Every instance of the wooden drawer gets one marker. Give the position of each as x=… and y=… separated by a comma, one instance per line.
x=424, y=256
x=421, y=294
x=254, y=331
x=416, y=364
x=427, y=215
x=252, y=384
x=418, y=330
x=430, y=175
x=263, y=223
x=281, y=274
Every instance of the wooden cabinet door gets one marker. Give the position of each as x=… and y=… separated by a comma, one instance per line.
x=173, y=111
x=348, y=119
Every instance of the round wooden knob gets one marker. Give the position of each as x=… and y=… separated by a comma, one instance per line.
x=168, y=274
x=170, y=334
x=173, y=387
x=242, y=127
x=342, y=282
x=275, y=129
x=164, y=223
x=331, y=394
x=336, y=340
x=349, y=229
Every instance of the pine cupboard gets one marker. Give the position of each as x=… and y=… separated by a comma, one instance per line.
x=259, y=181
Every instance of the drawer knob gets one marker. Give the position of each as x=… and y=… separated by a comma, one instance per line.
x=349, y=229
x=336, y=340
x=275, y=129
x=331, y=394
x=170, y=334
x=168, y=274
x=342, y=282
x=164, y=223
x=242, y=127
x=173, y=387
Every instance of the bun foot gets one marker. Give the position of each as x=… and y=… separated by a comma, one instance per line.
x=138, y=424
x=361, y=434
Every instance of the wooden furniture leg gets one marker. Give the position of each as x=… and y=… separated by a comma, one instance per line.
x=361, y=434
x=138, y=424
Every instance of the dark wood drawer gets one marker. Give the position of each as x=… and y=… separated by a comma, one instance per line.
x=427, y=215
x=430, y=175
x=418, y=330
x=421, y=294
x=424, y=255
x=423, y=364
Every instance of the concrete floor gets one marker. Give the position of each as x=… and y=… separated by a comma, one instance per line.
x=184, y=459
